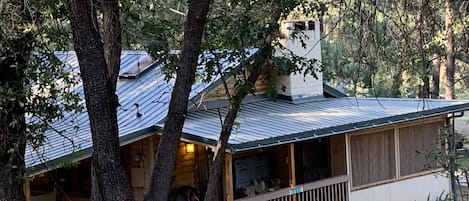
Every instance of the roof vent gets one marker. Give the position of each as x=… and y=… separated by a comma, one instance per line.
x=134, y=63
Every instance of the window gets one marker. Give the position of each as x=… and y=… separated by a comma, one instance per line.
x=372, y=157
x=414, y=141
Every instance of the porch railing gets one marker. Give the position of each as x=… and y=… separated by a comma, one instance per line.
x=330, y=189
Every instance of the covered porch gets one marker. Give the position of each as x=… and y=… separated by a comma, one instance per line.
x=308, y=170
x=328, y=149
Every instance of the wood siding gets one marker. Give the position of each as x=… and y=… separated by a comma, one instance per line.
x=183, y=173
x=262, y=84
x=140, y=171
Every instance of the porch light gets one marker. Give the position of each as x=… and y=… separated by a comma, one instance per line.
x=190, y=148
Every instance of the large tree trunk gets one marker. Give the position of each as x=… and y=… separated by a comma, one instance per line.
x=13, y=62
x=450, y=68
x=112, y=40
x=435, y=86
x=167, y=149
x=12, y=128
x=109, y=181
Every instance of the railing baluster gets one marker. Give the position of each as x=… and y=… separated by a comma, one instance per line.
x=333, y=192
x=329, y=189
x=313, y=194
x=339, y=195
x=321, y=194
x=346, y=191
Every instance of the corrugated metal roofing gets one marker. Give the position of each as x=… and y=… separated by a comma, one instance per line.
x=268, y=123
x=262, y=123
x=147, y=94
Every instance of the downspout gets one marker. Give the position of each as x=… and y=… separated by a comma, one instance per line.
x=452, y=154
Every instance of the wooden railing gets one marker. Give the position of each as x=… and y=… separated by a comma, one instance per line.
x=330, y=189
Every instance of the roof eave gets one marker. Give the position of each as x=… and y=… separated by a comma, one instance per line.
x=86, y=153
x=346, y=128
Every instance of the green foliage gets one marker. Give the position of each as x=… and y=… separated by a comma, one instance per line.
x=447, y=154
x=385, y=47
x=236, y=26
x=44, y=89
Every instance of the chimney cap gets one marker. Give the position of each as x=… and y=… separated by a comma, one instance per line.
x=300, y=24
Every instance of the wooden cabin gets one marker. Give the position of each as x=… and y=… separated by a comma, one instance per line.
x=309, y=143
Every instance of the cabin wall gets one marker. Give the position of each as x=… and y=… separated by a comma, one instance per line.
x=139, y=158
x=262, y=84
x=183, y=173
x=388, y=163
x=414, y=189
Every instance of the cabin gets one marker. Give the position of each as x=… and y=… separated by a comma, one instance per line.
x=309, y=143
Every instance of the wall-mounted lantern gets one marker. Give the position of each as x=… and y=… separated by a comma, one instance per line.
x=190, y=148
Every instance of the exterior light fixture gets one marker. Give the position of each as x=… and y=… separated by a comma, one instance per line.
x=190, y=148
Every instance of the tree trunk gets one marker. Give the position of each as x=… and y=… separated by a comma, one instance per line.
x=241, y=92
x=435, y=86
x=219, y=157
x=452, y=166
x=112, y=40
x=422, y=25
x=109, y=180
x=396, y=83
x=165, y=159
x=13, y=62
x=12, y=135
x=450, y=68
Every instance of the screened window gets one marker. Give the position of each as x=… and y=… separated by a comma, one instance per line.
x=372, y=157
x=414, y=143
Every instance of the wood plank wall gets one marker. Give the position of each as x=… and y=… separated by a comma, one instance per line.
x=140, y=171
x=262, y=84
x=183, y=174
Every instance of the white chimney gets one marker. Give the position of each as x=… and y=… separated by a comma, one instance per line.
x=298, y=85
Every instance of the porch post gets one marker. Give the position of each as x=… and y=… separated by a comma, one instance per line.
x=27, y=190
x=228, y=178
x=291, y=165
